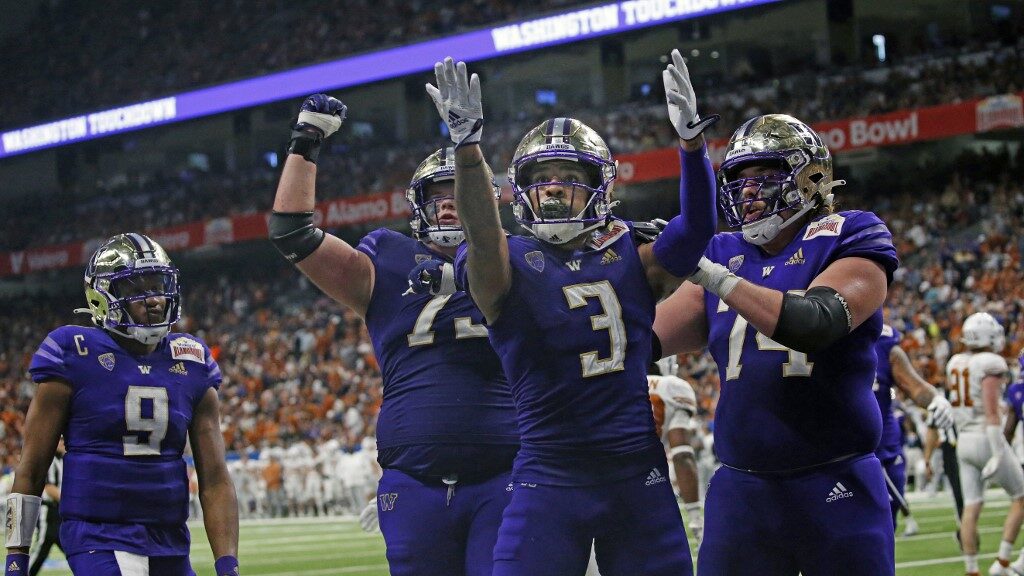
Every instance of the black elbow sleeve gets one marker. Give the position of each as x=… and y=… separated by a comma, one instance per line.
x=813, y=321
x=294, y=234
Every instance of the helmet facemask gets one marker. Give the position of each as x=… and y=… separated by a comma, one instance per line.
x=130, y=268
x=801, y=184
x=438, y=167
x=551, y=219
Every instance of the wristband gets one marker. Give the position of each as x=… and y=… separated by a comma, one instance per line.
x=16, y=564
x=306, y=142
x=226, y=566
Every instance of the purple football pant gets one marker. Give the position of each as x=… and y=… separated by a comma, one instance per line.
x=428, y=534
x=832, y=521
x=110, y=563
x=896, y=468
x=634, y=525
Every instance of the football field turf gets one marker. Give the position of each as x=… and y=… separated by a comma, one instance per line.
x=324, y=547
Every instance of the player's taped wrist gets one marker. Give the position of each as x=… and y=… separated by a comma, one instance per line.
x=812, y=321
x=22, y=515
x=306, y=140
x=714, y=277
x=996, y=442
x=294, y=234
x=226, y=566
x=684, y=449
x=16, y=564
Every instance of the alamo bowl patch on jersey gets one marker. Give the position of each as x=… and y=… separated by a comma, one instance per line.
x=183, y=348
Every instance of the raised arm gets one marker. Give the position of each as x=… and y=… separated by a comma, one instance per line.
x=680, y=246
x=339, y=270
x=457, y=98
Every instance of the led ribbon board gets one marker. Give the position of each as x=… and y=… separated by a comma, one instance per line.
x=573, y=26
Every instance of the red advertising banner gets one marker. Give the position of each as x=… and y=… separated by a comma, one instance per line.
x=901, y=127
x=894, y=128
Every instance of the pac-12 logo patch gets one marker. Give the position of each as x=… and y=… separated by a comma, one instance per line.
x=107, y=361
x=536, y=260
x=735, y=262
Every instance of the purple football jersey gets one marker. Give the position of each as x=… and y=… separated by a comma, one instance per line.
x=1015, y=397
x=447, y=406
x=125, y=486
x=780, y=409
x=574, y=336
x=892, y=438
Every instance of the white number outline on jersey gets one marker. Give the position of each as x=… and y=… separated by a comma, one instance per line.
x=135, y=423
x=611, y=321
x=960, y=391
x=422, y=334
x=797, y=365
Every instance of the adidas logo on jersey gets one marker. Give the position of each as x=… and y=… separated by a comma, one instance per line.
x=609, y=257
x=655, y=477
x=797, y=258
x=838, y=493
x=178, y=368
x=13, y=567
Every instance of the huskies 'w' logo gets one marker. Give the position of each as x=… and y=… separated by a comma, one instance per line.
x=144, y=369
x=387, y=501
x=573, y=265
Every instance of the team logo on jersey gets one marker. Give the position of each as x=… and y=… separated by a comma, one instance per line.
x=387, y=501
x=655, y=477
x=838, y=493
x=574, y=265
x=831, y=225
x=421, y=258
x=107, y=361
x=609, y=257
x=536, y=260
x=178, y=368
x=766, y=270
x=183, y=348
x=144, y=368
x=735, y=262
x=797, y=258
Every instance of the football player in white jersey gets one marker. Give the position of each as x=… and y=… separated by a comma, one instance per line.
x=675, y=405
x=976, y=379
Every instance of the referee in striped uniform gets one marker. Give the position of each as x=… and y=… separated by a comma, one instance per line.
x=49, y=517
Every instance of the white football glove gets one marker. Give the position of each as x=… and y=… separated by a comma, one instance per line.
x=458, y=101
x=368, y=517
x=990, y=467
x=940, y=413
x=682, y=102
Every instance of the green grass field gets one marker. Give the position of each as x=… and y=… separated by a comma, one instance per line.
x=314, y=547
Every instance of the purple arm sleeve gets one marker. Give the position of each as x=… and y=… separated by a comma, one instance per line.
x=682, y=243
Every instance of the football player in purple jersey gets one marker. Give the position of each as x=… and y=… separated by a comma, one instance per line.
x=569, y=309
x=124, y=394
x=895, y=370
x=446, y=432
x=790, y=308
x=1014, y=416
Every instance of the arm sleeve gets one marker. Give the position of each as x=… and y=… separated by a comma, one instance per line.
x=682, y=243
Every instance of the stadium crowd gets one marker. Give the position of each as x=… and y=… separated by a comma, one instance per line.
x=302, y=388
x=166, y=199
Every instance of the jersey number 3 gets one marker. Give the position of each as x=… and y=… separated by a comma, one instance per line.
x=611, y=321
x=137, y=424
